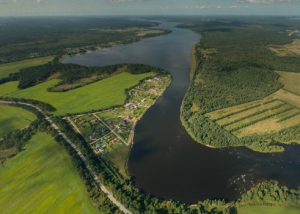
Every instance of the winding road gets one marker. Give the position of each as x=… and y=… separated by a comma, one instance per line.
x=103, y=188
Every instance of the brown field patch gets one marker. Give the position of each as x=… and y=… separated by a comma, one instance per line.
x=286, y=96
x=291, y=49
x=287, y=113
x=242, y=114
x=290, y=80
x=257, y=117
x=230, y=110
x=194, y=108
x=267, y=126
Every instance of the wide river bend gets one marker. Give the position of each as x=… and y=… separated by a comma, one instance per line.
x=164, y=160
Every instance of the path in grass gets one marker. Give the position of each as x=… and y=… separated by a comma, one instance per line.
x=267, y=210
x=41, y=179
x=14, y=67
x=13, y=118
x=102, y=94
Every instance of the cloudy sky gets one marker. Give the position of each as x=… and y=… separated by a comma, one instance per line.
x=148, y=7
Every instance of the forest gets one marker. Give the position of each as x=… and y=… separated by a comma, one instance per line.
x=235, y=66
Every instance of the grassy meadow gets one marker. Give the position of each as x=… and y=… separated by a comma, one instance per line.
x=41, y=179
x=13, y=118
x=102, y=94
x=14, y=67
x=118, y=156
x=267, y=210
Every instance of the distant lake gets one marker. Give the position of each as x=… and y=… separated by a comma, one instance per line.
x=164, y=160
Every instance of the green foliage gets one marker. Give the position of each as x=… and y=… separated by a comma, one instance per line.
x=270, y=192
x=234, y=67
x=23, y=38
x=267, y=209
x=41, y=178
x=13, y=118
x=14, y=67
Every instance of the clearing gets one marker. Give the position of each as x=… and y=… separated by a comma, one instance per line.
x=14, y=118
x=267, y=210
x=102, y=94
x=290, y=80
x=41, y=179
x=291, y=49
x=14, y=67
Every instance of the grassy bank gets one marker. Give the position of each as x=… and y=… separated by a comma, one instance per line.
x=267, y=210
x=41, y=179
x=13, y=118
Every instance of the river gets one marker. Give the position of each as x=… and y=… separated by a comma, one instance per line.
x=164, y=161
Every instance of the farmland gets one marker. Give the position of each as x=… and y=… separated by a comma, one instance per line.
x=13, y=118
x=273, y=113
x=111, y=91
x=14, y=67
x=41, y=179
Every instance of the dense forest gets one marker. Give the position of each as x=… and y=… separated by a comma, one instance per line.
x=234, y=66
x=23, y=38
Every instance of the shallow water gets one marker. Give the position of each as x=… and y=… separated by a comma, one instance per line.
x=164, y=160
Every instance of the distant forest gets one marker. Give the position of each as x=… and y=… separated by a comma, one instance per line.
x=25, y=37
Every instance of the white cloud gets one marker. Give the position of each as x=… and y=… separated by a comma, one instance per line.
x=123, y=1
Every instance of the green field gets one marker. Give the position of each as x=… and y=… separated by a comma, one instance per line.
x=102, y=94
x=13, y=67
x=41, y=179
x=13, y=118
x=267, y=210
x=118, y=156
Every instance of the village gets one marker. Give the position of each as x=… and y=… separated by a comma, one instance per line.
x=107, y=129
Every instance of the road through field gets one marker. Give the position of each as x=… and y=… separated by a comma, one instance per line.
x=103, y=188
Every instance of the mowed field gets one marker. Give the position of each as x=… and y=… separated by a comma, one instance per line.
x=41, y=179
x=102, y=94
x=13, y=67
x=267, y=210
x=291, y=49
x=14, y=118
x=275, y=112
x=290, y=80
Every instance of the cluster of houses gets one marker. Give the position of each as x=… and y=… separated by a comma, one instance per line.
x=101, y=148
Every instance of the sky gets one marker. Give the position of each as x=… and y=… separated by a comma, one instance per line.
x=148, y=7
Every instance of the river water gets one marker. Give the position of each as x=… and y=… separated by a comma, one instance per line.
x=164, y=161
